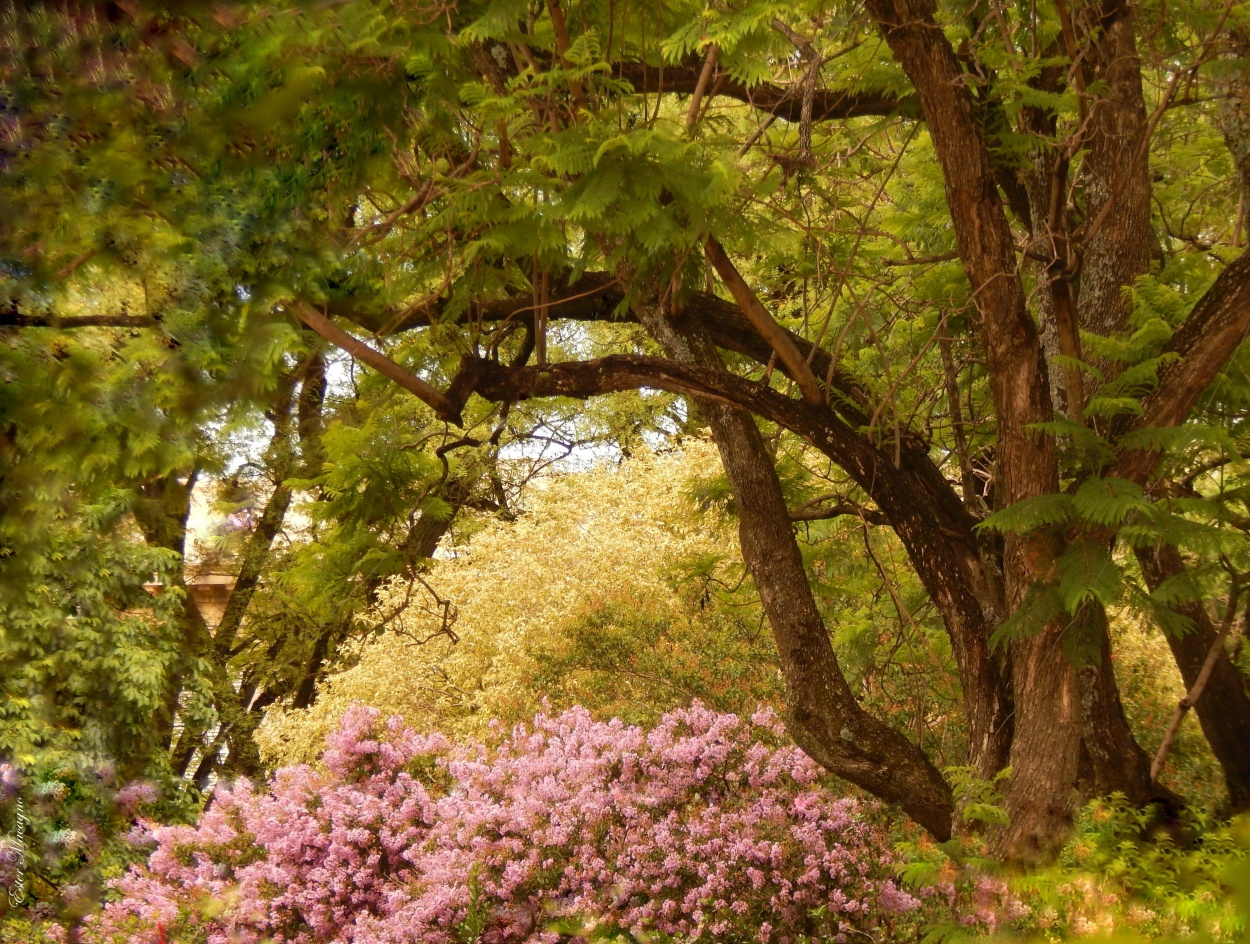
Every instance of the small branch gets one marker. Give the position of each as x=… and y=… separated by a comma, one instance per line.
x=69, y=269
x=781, y=101
x=807, y=86
x=705, y=77
x=561, y=29
x=922, y=260
x=419, y=199
x=758, y=133
x=11, y=319
x=812, y=511
x=1200, y=683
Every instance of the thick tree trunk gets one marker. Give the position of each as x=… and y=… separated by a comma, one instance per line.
x=1054, y=711
x=1115, y=171
x=1224, y=708
x=960, y=571
x=822, y=713
x=1046, y=752
x=1046, y=746
x=1118, y=250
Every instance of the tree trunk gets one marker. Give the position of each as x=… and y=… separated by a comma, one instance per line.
x=1047, y=738
x=1116, y=174
x=1046, y=751
x=822, y=714
x=1119, y=763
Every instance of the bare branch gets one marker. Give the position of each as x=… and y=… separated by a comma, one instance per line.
x=444, y=407
x=1200, y=684
x=776, y=336
x=813, y=511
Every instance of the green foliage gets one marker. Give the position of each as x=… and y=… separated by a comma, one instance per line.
x=622, y=661
x=1128, y=876
x=86, y=654
x=979, y=800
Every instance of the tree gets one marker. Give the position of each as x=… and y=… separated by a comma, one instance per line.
x=979, y=260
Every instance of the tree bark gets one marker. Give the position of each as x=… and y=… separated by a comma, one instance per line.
x=1116, y=173
x=1120, y=765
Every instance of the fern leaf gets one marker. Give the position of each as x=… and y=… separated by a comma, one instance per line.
x=1109, y=501
x=1030, y=514
x=1087, y=572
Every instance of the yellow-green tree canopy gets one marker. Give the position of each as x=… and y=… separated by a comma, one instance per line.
x=585, y=599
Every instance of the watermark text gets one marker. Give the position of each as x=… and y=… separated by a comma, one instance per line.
x=16, y=846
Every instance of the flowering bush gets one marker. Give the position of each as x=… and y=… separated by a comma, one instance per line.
x=705, y=828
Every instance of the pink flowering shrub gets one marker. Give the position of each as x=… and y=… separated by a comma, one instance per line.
x=706, y=828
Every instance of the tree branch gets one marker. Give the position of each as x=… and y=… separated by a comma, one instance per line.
x=777, y=337
x=1214, y=329
x=444, y=407
x=597, y=296
x=11, y=318
x=1200, y=684
x=1013, y=350
x=782, y=101
x=812, y=511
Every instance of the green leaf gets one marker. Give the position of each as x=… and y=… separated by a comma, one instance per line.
x=1039, y=512
x=1041, y=604
x=1109, y=502
x=1087, y=572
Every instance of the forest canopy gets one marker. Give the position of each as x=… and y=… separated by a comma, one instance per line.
x=955, y=291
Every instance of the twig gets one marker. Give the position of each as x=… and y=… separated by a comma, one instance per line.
x=1200, y=683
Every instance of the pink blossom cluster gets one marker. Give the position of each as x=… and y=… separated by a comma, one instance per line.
x=706, y=828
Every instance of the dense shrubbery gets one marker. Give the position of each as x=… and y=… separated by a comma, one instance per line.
x=705, y=828
x=1123, y=874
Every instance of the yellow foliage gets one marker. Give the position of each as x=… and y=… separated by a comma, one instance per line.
x=1150, y=686
x=526, y=591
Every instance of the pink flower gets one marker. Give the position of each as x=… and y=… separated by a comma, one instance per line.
x=707, y=827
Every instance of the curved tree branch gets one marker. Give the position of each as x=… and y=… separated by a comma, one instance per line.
x=1216, y=326
x=777, y=337
x=911, y=492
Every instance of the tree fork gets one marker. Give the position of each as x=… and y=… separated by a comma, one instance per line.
x=1046, y=743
